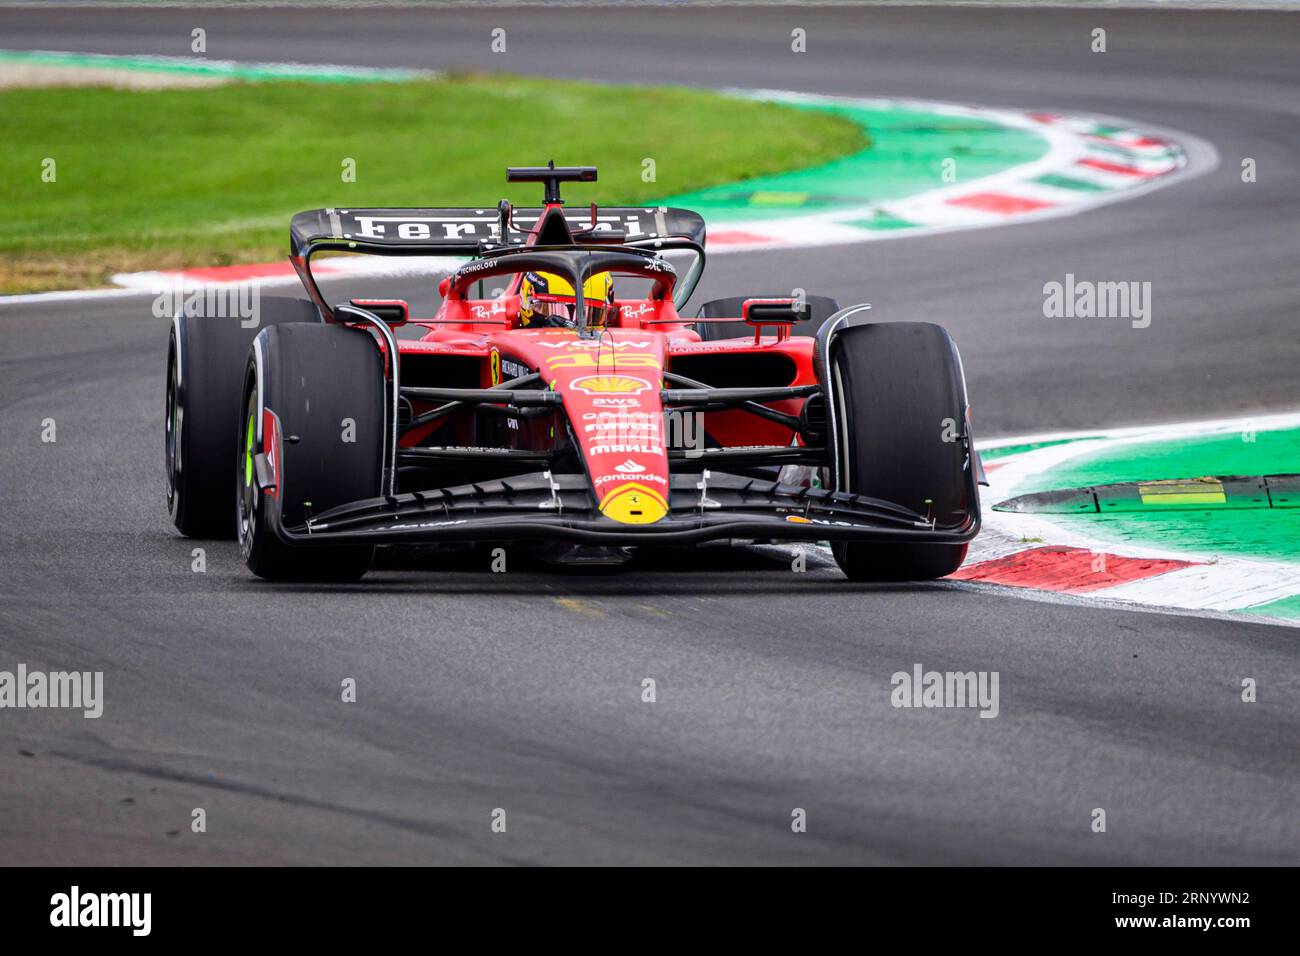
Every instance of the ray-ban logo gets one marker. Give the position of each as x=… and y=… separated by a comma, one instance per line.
x=922, y=688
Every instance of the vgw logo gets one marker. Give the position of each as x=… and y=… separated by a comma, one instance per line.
x=75, y=908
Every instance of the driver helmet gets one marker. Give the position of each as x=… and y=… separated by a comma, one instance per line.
x=547, y=300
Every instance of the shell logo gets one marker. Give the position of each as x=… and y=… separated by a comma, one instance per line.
x=611, y=385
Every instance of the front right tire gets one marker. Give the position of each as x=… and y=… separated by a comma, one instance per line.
x=205, y=374
x=901, y=409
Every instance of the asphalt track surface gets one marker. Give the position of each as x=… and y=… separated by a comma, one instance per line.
x=522, y=691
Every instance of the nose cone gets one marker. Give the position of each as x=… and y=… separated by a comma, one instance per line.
x=634, y=504
x=610, y=387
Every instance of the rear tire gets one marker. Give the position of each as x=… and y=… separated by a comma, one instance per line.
x=324, y=385
x=205, y=373
x=899, y=391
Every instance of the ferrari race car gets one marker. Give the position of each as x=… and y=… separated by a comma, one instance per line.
x=557, y=409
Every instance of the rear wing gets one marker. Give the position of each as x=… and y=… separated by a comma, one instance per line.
x=465, y=231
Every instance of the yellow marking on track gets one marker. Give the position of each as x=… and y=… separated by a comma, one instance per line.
x=1196, y=492
x=579, y=606
x=775, y=198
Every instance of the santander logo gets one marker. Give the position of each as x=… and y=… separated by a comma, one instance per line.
x=630, y=467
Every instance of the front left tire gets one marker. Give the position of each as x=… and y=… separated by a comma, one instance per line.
x=313, y=402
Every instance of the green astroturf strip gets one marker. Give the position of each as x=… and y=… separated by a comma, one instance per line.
x=1066, y=182
x=882, y=221
x=906, y=156
x=1264, y=533
x=1249, y=453
x=1287, y=607
x=1271, y=534
x=993, y=454
x=216, y=68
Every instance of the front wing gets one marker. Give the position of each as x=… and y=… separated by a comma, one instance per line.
x=561, y=507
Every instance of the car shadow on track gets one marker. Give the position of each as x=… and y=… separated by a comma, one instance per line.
x=705, y=571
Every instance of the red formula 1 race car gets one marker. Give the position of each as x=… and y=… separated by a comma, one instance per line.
x=560, y=410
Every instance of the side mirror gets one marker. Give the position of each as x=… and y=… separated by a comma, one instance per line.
x=783, y=313
x=444, y=284
x=393, y=311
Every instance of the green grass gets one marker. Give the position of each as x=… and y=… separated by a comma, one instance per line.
x=211, y=176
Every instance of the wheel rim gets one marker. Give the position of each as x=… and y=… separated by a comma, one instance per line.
x=247, y=476
x=843, y=480
x=171, y=436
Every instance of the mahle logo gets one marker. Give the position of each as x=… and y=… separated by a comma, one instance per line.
x=683, y=431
